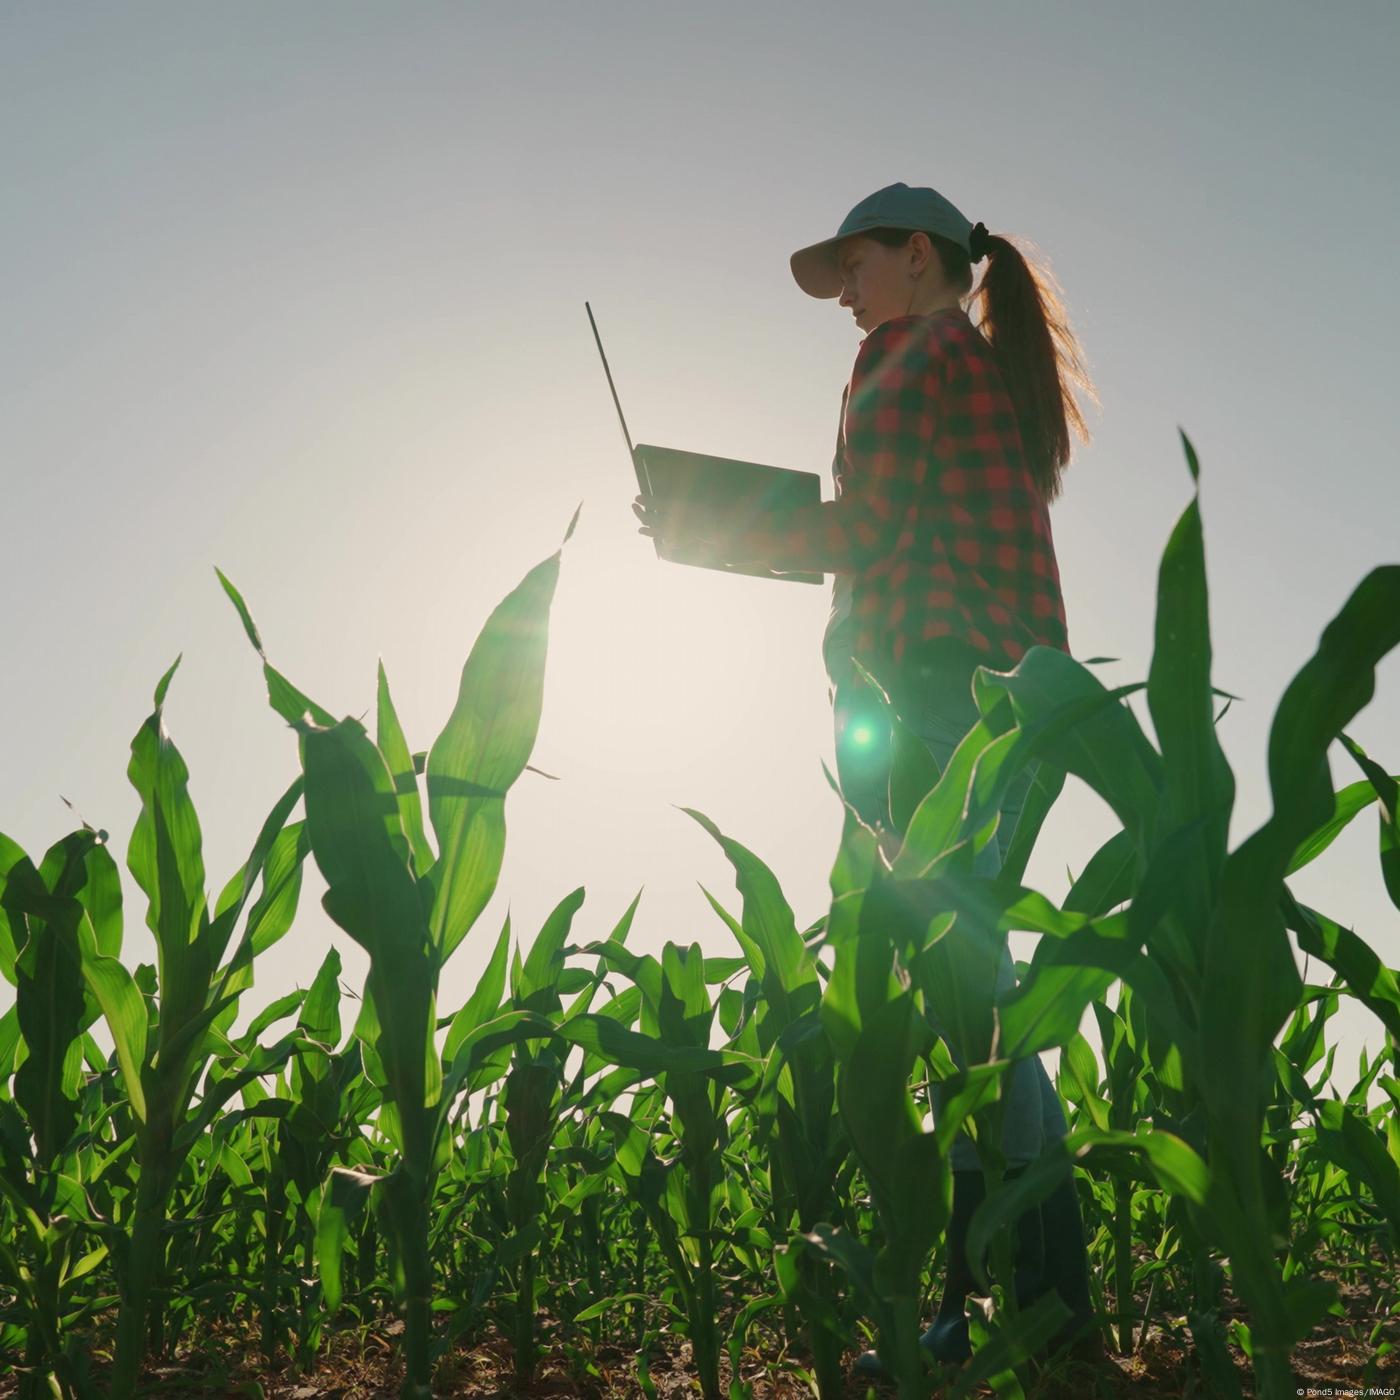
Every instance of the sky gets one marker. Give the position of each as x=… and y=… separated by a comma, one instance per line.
x=298, y=291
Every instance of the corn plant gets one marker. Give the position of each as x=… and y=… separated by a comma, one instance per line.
x=681, y=1195
x=603, y=1148
x=799, y=1130
x=46, y=912
x=1203, y=942
x=409, y=907
x=168, y=1033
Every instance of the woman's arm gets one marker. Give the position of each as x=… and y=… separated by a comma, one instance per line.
x=888, y=425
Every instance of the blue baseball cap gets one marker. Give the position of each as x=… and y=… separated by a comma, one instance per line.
x=896, y=206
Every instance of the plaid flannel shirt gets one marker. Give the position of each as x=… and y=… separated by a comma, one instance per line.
x=936, y=516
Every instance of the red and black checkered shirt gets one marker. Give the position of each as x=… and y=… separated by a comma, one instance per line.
x=937, y=516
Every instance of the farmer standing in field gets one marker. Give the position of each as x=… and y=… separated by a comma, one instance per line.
x=952, y=439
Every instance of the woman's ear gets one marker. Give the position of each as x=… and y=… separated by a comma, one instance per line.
x=920, y=253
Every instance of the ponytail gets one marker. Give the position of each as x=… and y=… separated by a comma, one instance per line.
x=1022, y=316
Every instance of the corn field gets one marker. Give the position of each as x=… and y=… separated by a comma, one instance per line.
x=610, y=1147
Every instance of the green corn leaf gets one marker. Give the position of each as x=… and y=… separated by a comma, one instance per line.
x=753, y=952
x=684, y=1011
x=914, y=772
x=395, y=750
x=1048, y=1003
x=357, y=837
x=1013, y=1343
x=277, y=859
x=630, y=1143
x=271, y=917
x=283, y=696
x=19, y=1195
x=1175, y=1164
x=787, y=968
x=1107, y=880
x=858, y=852
x=941, y=819
x=49, y=987
x=320, y=1011
x=862, y=981
x=344, y=1198
x=852, y=1256
x=1368, y=979
x=165, y=857
x=1213, y=1356
x=1041, y=794
x=1351, y=800
x=272, y=1013
x=618, y=936
x=624, y=1008
x=242, y=1070
x=603, y=1036
x=1066, y=974
x=84, y=1266
x=1308, y=1301
x=11, y=854
x=872, y=1089
x=485, y=1000
x=1072, y=722
x=1251, y=984
x=738, y=1336
x=639, y=968
x=482, y=750
x=1162, y=914
x=101, y=897
x=1082, y=1068
x=545, y=962
x=607, y=1305
x=1337, y=682
x=235, y=895
x=10, y=1043
x=1350, y=1141
x=1198, y=790
x=125, y=1010
x=1388, y=797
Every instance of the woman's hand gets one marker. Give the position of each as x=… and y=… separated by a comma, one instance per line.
x=658, y=523
x=649, y=512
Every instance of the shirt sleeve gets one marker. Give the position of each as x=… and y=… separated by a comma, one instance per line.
x=888, y=420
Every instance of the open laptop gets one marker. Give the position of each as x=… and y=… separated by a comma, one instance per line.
x=701, y=489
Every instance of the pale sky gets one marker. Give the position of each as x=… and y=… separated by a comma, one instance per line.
x=297, y=290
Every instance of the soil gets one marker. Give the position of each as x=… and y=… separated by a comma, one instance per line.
x=1353, y=1355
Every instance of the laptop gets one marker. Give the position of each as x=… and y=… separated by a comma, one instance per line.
x=698, y=489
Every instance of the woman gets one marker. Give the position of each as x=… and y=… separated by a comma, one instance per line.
x=953, y=437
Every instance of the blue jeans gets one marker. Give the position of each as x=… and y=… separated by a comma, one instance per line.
x=939, y=708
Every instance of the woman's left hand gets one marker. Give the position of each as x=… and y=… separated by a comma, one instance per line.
x=658, y=523
x=649, y=512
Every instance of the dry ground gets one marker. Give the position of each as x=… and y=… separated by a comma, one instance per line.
x=362, y=1364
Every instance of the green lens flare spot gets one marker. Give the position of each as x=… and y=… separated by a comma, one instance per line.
x=862, y=736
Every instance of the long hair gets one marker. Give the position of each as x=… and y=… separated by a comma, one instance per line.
x=1021, y=314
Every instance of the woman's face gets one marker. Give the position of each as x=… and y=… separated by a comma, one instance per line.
x=876, y=281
